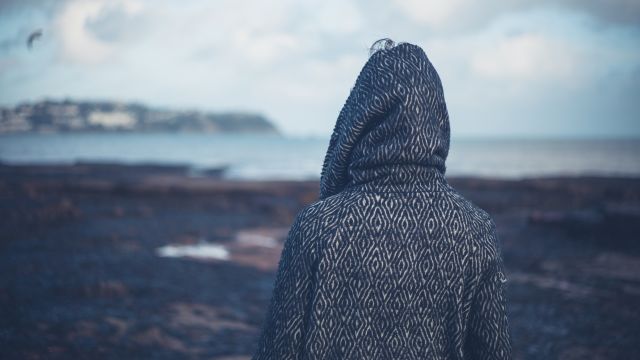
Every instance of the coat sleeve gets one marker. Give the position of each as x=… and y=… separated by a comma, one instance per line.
x=283, y=330
x=488, y=332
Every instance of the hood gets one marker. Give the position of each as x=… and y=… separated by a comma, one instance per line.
x=394, y=126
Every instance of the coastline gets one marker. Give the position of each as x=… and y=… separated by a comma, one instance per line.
x=82, y=274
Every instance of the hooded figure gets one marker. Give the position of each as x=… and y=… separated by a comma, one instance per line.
x=391, y=262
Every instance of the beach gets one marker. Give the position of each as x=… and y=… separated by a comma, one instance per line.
x=150, y=261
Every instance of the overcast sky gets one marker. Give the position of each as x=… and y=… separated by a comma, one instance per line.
x=509, y=68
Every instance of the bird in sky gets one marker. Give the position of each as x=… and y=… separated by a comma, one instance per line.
x=33, y=37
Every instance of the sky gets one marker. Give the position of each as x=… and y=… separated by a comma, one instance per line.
x=512, y=68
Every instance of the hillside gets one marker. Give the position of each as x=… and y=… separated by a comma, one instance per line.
x=83, y=116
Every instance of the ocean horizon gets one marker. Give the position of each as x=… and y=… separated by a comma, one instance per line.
x=279, y=157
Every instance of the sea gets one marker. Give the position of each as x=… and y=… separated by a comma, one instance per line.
x=276, y=157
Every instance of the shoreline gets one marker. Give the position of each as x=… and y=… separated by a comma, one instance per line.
x=138, y=168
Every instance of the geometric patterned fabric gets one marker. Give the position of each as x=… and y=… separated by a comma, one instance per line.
x=390, y=262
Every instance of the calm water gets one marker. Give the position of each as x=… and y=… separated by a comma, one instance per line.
x=274, y=157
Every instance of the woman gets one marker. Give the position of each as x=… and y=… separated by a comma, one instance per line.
x=391, y=262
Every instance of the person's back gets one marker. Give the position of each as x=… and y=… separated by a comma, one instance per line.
x=391, y=262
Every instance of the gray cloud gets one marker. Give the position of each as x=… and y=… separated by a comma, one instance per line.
x=469, y=15
x=297, y=60
x=114, y=23
x=611, y=11
x=8, y=7
x=12, y=41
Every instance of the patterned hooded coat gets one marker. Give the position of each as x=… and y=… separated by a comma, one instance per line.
x=391, y=262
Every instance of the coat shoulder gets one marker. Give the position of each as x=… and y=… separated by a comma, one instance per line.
x=320, y=211
x=481, y=228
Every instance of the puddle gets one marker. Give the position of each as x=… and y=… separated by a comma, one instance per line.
x=257, y=239
x=249, y=247
x=262, y=237
x=200, y=251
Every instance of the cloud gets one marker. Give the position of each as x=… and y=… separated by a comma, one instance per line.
x=116, y=21
x=622, y=12
x=525, y=57
x=505, y=65
x=84, y=28
x=438, y=14
x=13, y=40
x=10, y=6
x=537, y=74
x=264, y=49
x=464, y=15
x=334, y=17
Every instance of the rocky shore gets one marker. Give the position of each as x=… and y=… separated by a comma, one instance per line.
x=114, y=261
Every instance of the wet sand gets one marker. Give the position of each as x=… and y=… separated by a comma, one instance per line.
x=90, y=263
